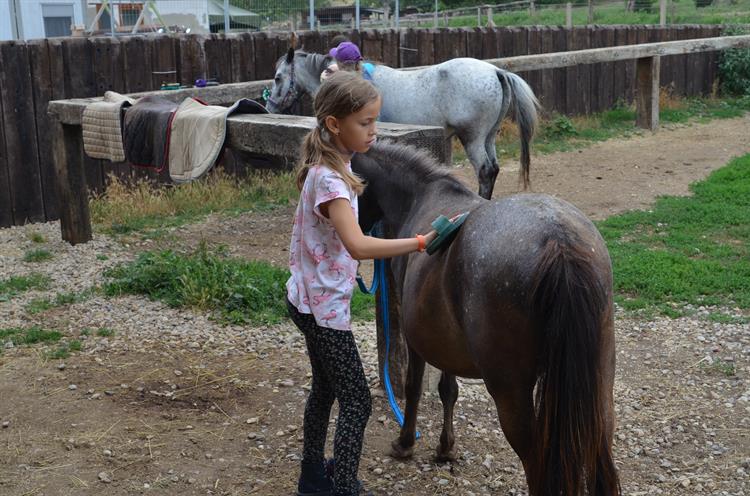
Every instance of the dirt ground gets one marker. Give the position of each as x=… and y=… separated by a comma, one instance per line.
x=175, y=404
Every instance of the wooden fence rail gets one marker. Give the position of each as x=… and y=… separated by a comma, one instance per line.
x=36, y=72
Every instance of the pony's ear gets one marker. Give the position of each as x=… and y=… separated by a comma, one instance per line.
x=290, y=55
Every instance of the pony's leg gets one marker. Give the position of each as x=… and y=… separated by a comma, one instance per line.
x=485, y=168
x=448, y=387
x=403, y=447
x=515, y=409
x=489, y=145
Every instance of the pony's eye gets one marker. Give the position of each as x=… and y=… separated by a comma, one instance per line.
x=277, y=79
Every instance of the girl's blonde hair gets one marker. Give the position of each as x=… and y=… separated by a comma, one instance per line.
x=341, y=95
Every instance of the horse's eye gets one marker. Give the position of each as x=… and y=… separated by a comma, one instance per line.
x=277, y=79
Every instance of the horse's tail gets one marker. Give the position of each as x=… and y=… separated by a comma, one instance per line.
x=571, y=453
x=524, y=103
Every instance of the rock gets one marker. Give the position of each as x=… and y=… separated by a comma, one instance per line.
x=6, y=424
x=105, y=477
x=107, y=452
x=178, y=373
x=61, y=366
x=378, y=471
x=443, y=482
x=252, y=420
x=72, y=387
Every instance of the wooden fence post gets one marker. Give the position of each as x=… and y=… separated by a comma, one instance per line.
x=591, y=11
x=569, y=15
x=490, y=17
x=72, y=192
x=647, y=92
x=662, y=12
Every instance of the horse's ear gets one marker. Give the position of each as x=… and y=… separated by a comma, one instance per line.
x=290, y=55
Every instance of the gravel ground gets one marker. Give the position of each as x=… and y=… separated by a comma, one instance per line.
x=682, y=399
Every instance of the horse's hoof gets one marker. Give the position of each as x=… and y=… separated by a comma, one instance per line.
x=398, y=451
x=443, y=456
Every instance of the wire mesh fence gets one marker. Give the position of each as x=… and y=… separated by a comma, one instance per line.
x=29, y=19
x=216, y=16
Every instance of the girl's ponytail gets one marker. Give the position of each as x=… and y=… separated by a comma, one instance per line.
x=317, y=149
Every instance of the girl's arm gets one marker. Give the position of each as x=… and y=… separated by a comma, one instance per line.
x=362, y=247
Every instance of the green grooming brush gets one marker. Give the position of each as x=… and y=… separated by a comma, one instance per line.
x=446, y=230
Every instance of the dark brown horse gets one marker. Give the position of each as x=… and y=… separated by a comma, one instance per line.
x=521, y=298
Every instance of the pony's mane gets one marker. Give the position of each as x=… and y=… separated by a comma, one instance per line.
x=314, y=63
x=410, y=162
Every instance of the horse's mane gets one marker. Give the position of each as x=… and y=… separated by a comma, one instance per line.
x=314, y=63
x=410, y=163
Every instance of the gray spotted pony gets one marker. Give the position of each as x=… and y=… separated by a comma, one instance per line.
x=466, y=96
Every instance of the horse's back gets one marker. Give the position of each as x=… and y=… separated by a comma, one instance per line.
x=455, y=93
x=498, y=250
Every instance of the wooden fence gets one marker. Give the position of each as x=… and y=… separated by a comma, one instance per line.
x=33, y=73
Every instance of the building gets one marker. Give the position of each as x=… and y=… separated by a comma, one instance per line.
x=30, y=19
x=343, y=15
x=194, y=16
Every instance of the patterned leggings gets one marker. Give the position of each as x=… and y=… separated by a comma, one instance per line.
x=336, y=374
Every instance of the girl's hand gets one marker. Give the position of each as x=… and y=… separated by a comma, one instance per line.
x=429, y=237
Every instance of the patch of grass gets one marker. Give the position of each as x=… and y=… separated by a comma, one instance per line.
x=102, y=257
x=64, y=350
x=28, y=336
x=720, y=366
x=125, y=208
x=241, y=291
x=105, y=332
x=553, y=14
x=687, y=250
x=724, y=318
x=16, y=285
x=37, y=255
x=37, y=237
x=38, y=305
x=85, y=332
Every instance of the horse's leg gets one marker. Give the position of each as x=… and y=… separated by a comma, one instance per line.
x=489, y=144
x=403, y=447
x=485, y=168
x=515, y=409
x=448, y=387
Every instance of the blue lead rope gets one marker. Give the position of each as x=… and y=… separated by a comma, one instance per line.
x=379, y=281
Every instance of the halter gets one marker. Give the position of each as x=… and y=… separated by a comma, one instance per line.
x=292, y=93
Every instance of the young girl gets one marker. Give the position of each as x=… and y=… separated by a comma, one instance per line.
x=326, y=244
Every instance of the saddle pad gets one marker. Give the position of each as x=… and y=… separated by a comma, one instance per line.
x=102, y=127
x=198, y=132
x=146, y=131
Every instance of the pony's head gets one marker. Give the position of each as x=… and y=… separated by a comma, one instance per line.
x=297, y=74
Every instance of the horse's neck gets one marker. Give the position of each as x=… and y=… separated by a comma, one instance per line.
x=411, y=208
x=314, y=64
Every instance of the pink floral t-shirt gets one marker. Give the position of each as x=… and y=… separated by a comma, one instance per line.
x=323, y=272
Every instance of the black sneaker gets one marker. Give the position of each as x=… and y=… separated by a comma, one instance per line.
x=314, y=480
